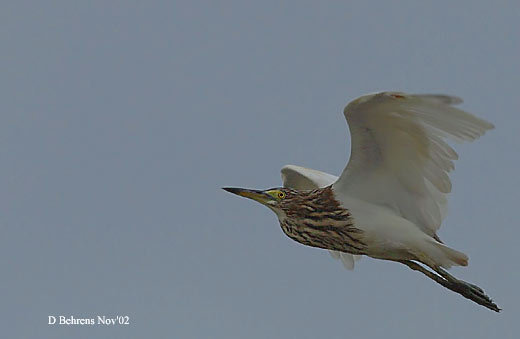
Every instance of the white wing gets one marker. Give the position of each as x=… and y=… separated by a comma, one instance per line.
x=399, y=155
x=302, y=178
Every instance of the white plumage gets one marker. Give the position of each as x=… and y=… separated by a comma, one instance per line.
x=390, y=200
x=396, y=181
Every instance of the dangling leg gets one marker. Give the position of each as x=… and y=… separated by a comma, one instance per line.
x=465, y=289
x=468, y=290
x=449, y=277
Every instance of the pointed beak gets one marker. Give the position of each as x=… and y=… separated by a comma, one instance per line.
x=256, y=195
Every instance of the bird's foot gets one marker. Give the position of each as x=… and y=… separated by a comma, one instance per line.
x=476, y=294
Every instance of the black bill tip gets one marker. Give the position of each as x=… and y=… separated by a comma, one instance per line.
x=233, y=190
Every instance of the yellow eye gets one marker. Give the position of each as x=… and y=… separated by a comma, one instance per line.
x=281, y=195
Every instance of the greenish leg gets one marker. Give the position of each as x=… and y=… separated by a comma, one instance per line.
x=461, y=287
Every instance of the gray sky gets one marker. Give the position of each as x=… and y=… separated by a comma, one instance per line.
x=121, y=120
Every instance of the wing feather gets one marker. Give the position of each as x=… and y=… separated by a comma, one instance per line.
x=399, y=154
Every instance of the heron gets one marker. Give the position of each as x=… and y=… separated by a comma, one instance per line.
x=391, y=198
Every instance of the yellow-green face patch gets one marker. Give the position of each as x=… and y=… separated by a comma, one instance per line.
x=276, y=194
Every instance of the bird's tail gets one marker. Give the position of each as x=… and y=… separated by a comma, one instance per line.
x=445, y=256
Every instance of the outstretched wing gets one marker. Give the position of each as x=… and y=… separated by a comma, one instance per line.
x=399, y=155
x=302, y=178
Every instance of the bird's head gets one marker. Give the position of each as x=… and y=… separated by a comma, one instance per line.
x=277, y=199
x=289, y=204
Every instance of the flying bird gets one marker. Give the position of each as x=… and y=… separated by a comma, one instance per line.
x=390, y=199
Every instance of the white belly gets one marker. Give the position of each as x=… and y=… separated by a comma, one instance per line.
x=387, y=235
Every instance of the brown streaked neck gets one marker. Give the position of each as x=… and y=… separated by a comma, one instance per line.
x=315, y=218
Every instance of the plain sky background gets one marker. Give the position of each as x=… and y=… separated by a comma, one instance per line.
x=121, y=120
